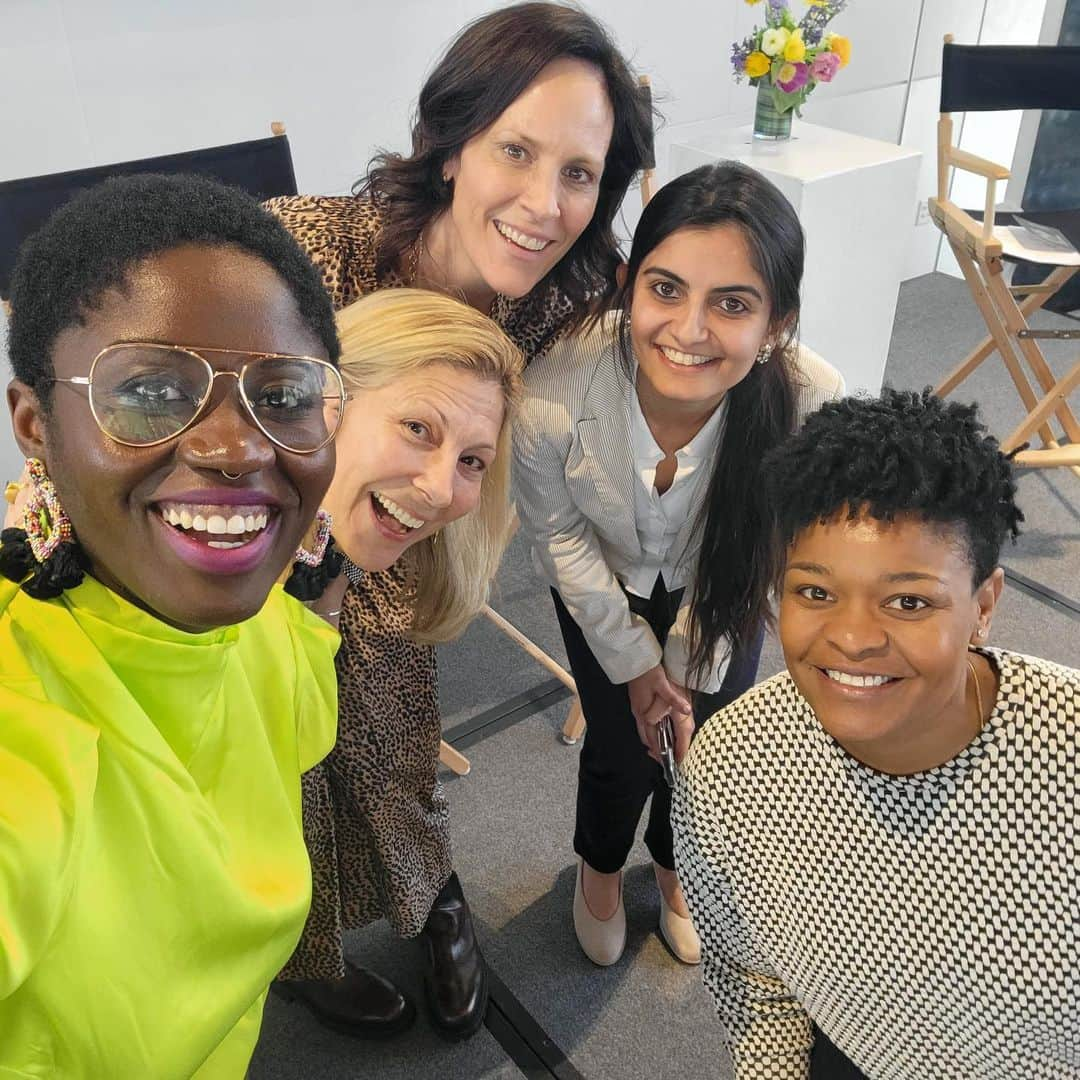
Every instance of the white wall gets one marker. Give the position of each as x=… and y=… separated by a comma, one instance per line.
x=87, y=82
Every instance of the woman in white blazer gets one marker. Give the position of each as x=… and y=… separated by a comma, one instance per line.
x=636, y=460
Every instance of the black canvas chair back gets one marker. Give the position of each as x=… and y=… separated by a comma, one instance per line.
x=262, y=167
x=996, y=78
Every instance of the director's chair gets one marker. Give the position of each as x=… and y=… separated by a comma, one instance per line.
x=997, y=78
x=261, y=167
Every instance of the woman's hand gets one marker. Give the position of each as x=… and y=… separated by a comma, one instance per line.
x=654, y=696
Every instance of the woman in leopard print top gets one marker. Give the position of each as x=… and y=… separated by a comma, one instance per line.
x=528, y=134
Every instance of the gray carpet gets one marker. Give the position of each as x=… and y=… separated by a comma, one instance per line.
x=513, y=815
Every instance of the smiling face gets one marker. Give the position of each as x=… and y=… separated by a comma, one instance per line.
x=699, y=314
x=875, y=620
x=411, y=458
x=193, y=574
x=525, y=188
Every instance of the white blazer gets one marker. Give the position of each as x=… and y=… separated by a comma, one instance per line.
x=574, y=486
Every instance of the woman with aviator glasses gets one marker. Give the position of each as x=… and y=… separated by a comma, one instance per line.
x=155, y=685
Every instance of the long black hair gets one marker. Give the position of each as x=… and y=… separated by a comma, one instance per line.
x=485, y=70
x=735, y=564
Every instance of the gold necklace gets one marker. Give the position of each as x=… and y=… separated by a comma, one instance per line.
x=417, y=253
x=414, y=259
x=978, y=695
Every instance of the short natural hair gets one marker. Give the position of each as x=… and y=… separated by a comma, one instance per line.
x=904, y=453
x=394, y=332
x=485, y=69
x=91, y=244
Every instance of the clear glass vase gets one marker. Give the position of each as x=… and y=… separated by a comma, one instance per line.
x=769, y=123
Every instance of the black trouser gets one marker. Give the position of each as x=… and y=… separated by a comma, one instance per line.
x=616, y=776
x=827, y=1062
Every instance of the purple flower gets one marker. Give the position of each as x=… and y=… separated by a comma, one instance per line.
x=792, y=77
x=777, y=6
x=824, y=66
x=813, y=23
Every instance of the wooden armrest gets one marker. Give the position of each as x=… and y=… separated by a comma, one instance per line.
x=974, y=164
x=962, y=228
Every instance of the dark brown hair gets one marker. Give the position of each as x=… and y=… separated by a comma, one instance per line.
x=485, y=70
x=735, y=564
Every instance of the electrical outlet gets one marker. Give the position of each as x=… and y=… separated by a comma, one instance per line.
x=922, y=213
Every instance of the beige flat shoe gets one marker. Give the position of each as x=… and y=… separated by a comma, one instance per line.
x=679, y=933
x=602, y=940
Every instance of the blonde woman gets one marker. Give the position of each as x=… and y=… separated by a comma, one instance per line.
x=422, y=486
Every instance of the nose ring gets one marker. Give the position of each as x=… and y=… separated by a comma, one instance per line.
x=231, y=476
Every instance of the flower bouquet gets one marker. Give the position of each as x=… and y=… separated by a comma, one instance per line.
x=786, y=59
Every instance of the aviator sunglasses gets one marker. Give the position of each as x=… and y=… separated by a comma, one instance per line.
x=143, y=394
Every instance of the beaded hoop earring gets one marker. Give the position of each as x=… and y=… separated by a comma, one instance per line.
x=314, y=569
x=43, y=556
x=46, y=524
x=323, y=524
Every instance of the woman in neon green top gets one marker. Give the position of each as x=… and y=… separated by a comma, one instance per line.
x=156, y=708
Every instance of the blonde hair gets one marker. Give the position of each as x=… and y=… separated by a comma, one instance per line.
x=396, y=332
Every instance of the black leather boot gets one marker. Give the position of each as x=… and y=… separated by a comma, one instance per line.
x=456, y=978
x=362, y=1004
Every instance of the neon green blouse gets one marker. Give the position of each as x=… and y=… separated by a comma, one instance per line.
x=153, y=874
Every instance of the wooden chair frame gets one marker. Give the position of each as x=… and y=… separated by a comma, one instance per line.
x=979, y=255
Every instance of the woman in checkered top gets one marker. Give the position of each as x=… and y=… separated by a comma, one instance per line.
x=881, y=841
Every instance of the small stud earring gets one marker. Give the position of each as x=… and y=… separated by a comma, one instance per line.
x=764, y=353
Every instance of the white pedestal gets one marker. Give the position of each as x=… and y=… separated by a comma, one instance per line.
x=855, y=198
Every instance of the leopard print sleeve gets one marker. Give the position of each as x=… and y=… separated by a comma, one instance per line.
x=339, y=234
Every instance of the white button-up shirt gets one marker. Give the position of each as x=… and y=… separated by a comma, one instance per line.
x=660, y=517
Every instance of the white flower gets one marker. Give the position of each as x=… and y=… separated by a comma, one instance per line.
x=774, y=40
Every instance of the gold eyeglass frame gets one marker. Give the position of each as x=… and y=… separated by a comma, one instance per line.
x=191, y=350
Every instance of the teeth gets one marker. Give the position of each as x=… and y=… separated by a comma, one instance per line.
x=221, y=521
x=857, y=680
x=684, y=359
x=396, y=511
x=225, y=543
x=530, y=243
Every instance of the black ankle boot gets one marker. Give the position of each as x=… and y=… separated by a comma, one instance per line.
x=456, y=979
x=362, y=1004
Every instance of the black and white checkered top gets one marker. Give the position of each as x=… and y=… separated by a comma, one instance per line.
x=929, y=924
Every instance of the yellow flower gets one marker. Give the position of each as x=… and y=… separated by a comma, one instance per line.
x=753, y=2
x=757, y=63
x=795, y=49
x=786, y=73
x=773, y=40
x=815, y=3
x=841, y=46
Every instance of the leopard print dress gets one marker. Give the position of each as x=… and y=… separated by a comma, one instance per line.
x=376, y=821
